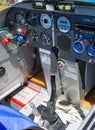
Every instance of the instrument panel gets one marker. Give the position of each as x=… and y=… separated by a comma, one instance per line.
x=73, y=34
x=37, y=23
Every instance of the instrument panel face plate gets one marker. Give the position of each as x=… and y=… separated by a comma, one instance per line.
x=40, y=27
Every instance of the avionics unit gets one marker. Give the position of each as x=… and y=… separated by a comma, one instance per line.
x=75, y=36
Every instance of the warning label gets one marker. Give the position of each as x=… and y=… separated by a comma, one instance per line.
x=25, y=95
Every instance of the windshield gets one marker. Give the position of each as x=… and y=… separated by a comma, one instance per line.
x=7, y=3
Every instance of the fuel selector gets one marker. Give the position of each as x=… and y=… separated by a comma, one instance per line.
x=78, y=46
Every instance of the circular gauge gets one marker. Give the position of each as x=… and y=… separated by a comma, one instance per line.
x=91, y=50
x=45, y=38
x=45, y=21
x=34, y=35
x=20, y=19
x=78, y=47
x=63, y=24
x=32, y=19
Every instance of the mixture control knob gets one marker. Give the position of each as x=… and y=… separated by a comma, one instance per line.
x=20, y=39
x=91, y=50
x=78, y=47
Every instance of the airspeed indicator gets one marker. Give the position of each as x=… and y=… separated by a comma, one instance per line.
x=45, y=21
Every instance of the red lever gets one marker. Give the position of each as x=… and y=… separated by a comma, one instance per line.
x=6, y=41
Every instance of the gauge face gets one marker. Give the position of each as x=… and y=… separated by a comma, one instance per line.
x=20, y=19
x=63, y=24
x=91, y=50
x=45, y=38
x=32, y=19
x=45, y=21
x=78, y=47
x=34, y=35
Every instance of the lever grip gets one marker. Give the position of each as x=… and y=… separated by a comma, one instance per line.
x=54, y=59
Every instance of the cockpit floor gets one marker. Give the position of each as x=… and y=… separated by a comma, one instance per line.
x=89, y=100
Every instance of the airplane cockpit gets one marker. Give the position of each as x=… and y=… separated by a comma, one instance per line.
x=47, y=64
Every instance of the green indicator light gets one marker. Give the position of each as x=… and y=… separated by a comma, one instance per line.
x=61, y=7
x=67, y=7
x=40, y=4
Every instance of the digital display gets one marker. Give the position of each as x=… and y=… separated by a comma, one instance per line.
x=64, y=22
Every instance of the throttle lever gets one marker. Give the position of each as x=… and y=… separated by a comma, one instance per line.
x=20, y=39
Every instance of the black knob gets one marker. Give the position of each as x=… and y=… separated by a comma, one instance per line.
x=2, y=71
